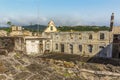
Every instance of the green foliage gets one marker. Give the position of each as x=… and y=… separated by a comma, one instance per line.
x=9, y=23
x=34, y=28
x=67, y=74
x=5, y=28
x=83, y=28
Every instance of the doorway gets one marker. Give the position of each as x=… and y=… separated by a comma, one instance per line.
x=119, y=55
x=71, y=48
x=62, y=47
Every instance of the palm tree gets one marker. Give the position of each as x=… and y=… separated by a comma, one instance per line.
x=9, y=23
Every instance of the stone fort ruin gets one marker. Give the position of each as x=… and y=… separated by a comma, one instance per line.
x=85, y=43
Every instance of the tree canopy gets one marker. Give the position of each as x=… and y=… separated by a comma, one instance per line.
x=83, y=28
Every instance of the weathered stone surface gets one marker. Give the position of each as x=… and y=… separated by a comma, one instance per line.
x=36, y=77
x=2, y=77
x=35, y=68
x=23, y=67
x=22, y=76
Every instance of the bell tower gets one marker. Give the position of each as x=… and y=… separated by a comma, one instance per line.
x=51, y=27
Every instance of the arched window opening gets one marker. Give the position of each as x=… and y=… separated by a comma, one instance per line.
x=90, y=36
x=102, y=36
x=90, y=48
x=56, y=46
x=80, y=48
x=51, y=28
x=80, y=36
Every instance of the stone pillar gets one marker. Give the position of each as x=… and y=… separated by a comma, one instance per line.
x=44, y=46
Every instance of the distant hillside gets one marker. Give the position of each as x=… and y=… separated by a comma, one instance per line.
x=5, y=28
x=84, y=28
x=35, y=27
x=69, y=28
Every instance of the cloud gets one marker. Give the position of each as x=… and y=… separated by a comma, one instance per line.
x=26, y=20
x=59, y=20
x=23, y=20
x=68, y=21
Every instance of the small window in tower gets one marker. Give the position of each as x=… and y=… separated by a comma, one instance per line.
x=102, y=36
x=51, y=28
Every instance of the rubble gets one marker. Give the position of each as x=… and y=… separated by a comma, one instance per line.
x=19, y=66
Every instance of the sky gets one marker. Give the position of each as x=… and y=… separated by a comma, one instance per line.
x=62, y=12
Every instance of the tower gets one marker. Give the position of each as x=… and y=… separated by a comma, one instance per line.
x=51, y=27
x=111, y=21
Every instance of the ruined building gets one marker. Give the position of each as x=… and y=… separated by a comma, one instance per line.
x=19, y=31
x=85, y=43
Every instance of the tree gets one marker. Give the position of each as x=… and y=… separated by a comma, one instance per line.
x=9, y=23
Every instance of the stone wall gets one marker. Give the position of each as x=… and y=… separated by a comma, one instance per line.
x=7, y=43
x=3, y=33
x=87, y=43
x=37, y=45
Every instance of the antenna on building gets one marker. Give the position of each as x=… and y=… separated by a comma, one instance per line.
x=0, y=24
x=38, y=20
x=111, y=21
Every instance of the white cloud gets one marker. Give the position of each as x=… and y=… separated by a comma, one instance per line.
x=41, y=20
x=59, y=21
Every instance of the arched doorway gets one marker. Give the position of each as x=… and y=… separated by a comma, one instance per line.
x=62, y=47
